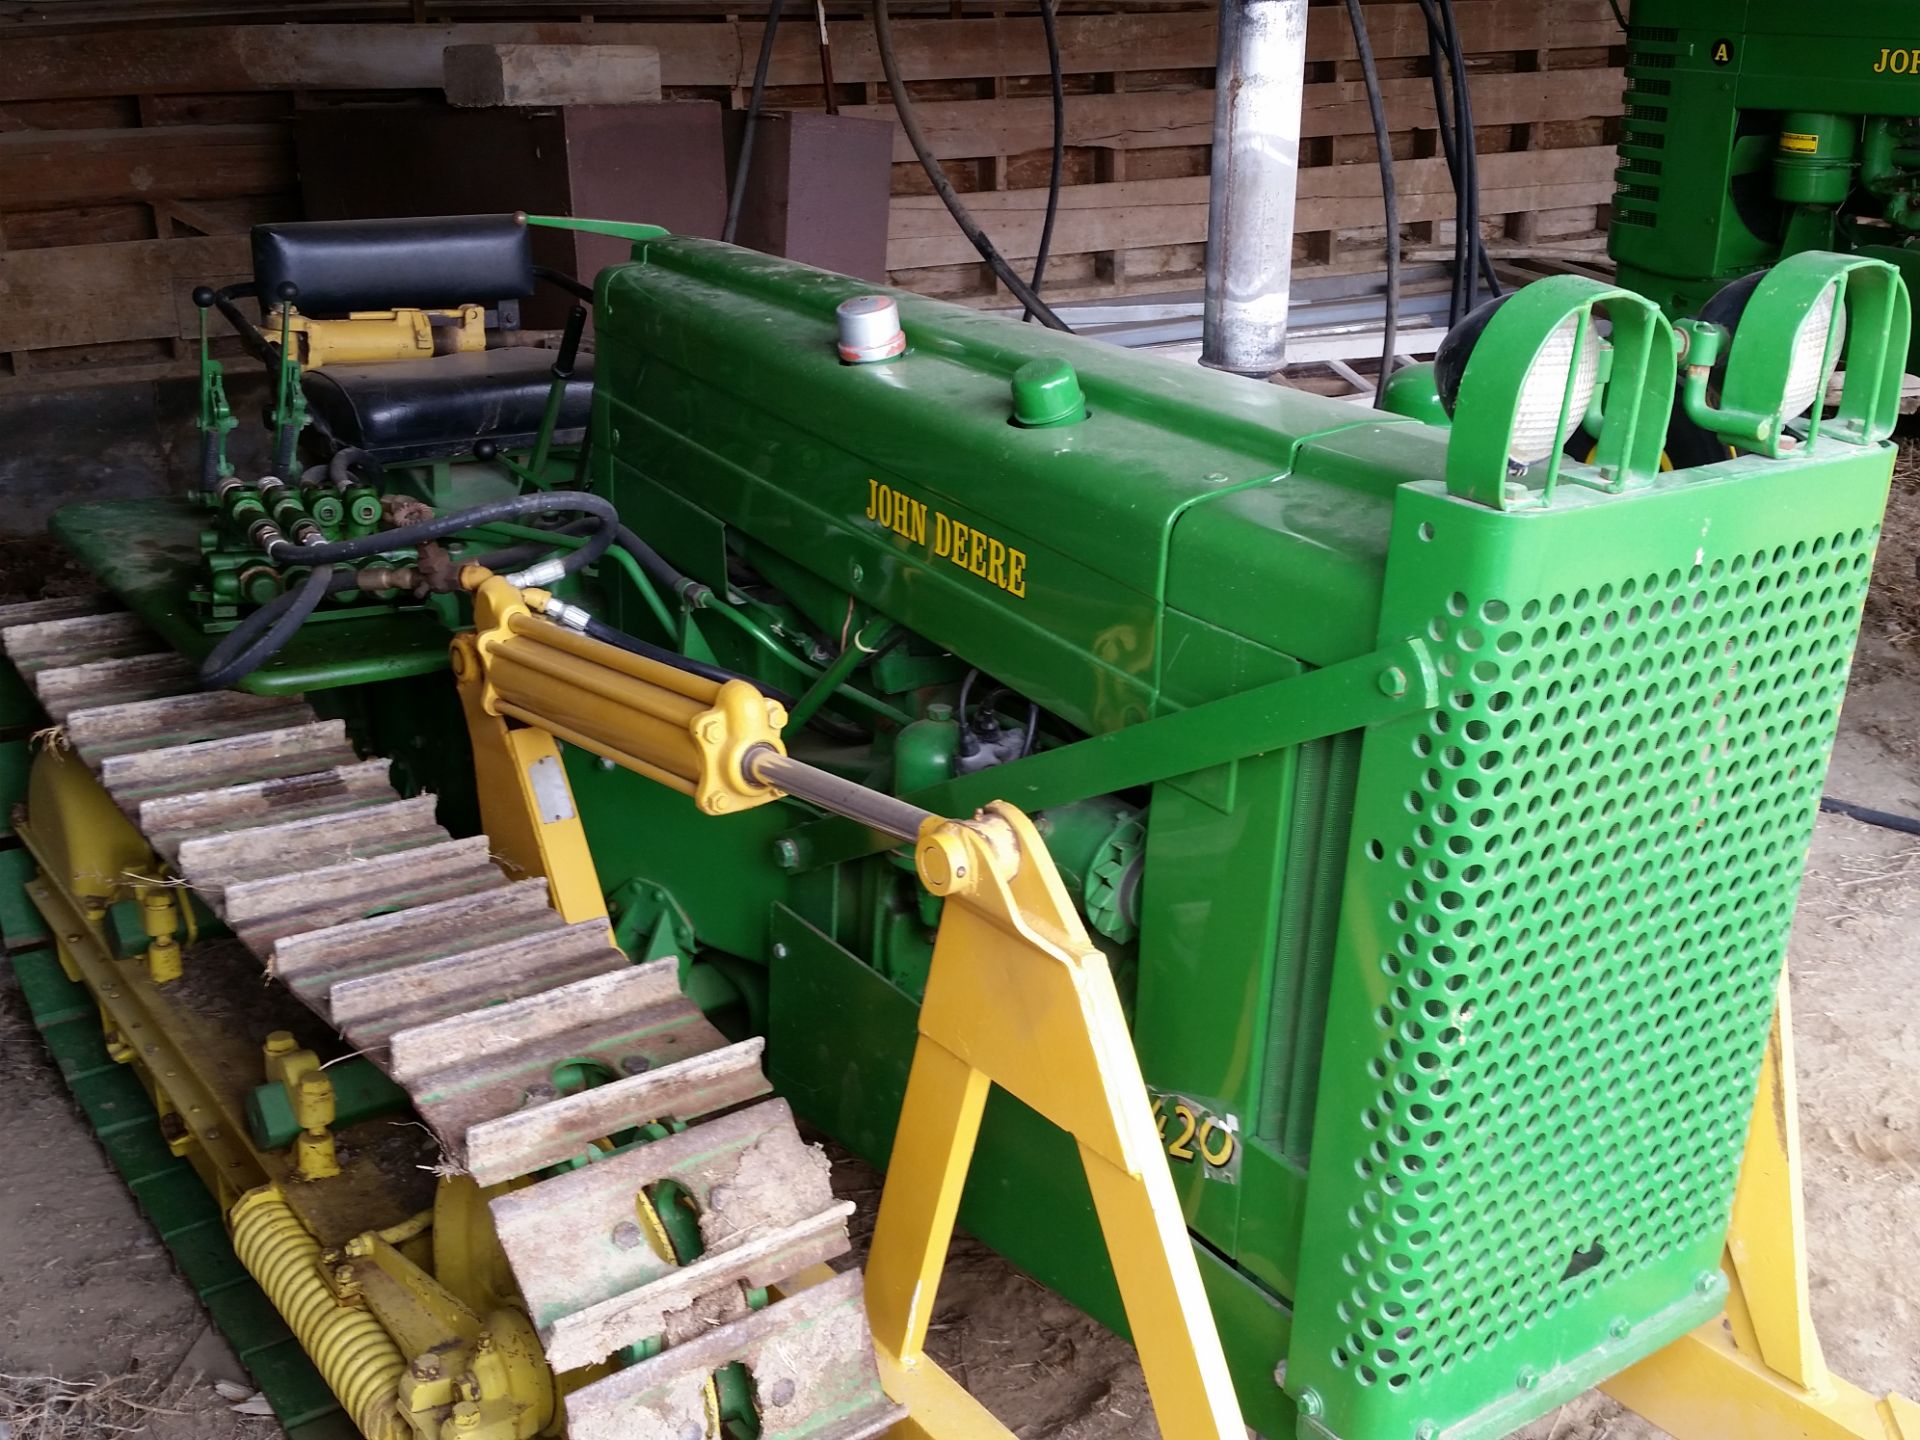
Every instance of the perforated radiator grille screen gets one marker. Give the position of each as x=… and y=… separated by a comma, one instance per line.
x=1568, y=900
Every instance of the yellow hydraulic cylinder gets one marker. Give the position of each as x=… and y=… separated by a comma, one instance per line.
x=371, y=336
x=352, y=1352
x=685, y=731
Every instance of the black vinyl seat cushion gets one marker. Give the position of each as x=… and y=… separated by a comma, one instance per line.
x=433, y=261
x=420, y=409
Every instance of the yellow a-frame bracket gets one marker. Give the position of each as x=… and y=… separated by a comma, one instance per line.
x=1757, y=1373
x=1019, y=997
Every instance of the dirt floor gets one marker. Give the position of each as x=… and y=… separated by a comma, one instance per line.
x=87, y=1293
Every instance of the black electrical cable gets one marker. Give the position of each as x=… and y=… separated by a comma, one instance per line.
x=1454, y=121
x=943, y=187
x=1466, y=223
x=1439, y=63
x=892, y=643
x=1059, y=159
x=1469, y=148
x=739, y=193
x=966, y=689
x=1886, y=820
x=1466, y=180
x=1452, y=102
x=259, y=637
x=1618, y=14
x=1389, y=196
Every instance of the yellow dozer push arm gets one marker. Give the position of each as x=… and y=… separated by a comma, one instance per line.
x=1010, y=942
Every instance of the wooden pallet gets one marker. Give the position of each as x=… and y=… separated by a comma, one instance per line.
x=133, y=160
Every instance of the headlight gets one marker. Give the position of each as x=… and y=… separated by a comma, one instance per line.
x=1544, y=391
x=1806, y=369
x=1543, y=395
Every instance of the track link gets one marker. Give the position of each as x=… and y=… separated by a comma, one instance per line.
x=472, y=993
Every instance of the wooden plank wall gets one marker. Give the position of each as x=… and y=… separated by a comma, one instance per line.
x=132, y=160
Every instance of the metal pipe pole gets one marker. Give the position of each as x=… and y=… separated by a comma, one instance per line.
x=1259, y=89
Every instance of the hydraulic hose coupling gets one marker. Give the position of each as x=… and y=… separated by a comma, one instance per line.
x=559, y=611
x=544, y=573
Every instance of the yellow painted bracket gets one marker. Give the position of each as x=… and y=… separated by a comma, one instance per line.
x=526, y=802
x=1758, y=1373
x=1019, y=997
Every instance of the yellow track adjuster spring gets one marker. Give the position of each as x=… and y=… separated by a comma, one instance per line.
x=359, y=1361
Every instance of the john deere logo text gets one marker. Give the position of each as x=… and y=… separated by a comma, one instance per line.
x=945, y=538
x=1898, y=62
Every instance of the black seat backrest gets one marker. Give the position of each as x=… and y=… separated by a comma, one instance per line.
x=431, y=262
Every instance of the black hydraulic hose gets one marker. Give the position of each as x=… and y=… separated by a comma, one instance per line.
x=739, y=193
x=260, y=636
x=1059, y=158
x=943, y=187
x=523, y=553
x=341, y=466
x=1618, y=14
x=516, y=508
x=1389, y=196
x=653, y=564
x=1886, y=820
x=514, y=557
x=658, y=569
x=633, y=645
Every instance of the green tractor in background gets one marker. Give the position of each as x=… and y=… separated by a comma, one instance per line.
x=1760, y=129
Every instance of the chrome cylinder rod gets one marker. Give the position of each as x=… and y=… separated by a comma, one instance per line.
x=842, y=797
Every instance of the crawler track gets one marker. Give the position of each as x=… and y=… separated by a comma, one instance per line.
x=474, y=995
